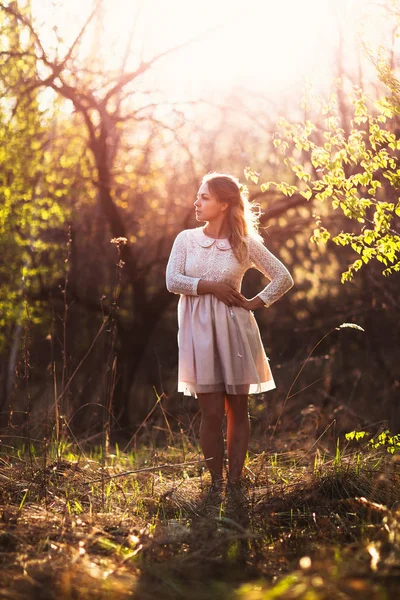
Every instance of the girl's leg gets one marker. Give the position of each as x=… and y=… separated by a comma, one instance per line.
x=238, y=433
x=211, y=436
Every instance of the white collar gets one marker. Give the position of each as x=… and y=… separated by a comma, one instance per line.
x=205, y=242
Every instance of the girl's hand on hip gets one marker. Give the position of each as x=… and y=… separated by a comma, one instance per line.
x=252, y=304
x=228, y=295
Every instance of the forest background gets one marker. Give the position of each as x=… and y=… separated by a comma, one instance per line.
x=103, y=141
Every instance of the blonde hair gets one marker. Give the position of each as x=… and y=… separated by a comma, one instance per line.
x=243, y=215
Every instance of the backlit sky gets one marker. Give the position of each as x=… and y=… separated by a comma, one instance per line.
x=269, y=46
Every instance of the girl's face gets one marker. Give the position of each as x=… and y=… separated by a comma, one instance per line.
x=208, y=208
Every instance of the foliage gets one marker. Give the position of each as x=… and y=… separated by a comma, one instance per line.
x=38, y=175
x=357, y=171
x=384, y=440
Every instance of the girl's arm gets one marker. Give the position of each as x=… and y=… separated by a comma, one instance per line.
x=177, y=282
x=280, y=279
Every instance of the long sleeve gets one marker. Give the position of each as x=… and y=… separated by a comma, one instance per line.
x=177, y=281
x=280, y=279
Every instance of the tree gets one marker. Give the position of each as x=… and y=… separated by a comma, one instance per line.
x=357, y=172
x=31, y=189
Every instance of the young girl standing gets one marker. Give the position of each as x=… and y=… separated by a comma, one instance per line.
x=221, y=356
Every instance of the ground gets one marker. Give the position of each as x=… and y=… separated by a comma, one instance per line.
x=86, y=524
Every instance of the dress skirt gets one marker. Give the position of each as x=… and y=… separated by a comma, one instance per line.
x=220, y=349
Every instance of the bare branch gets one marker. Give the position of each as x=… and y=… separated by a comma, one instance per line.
x=281, y=206
x=144, y=66
x=14, y=54
x=71, y=94
x=130, y=40
x=19, y=17
x=79, y=36
x=56, y=68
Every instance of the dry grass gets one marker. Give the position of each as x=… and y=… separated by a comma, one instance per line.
x=78, y=527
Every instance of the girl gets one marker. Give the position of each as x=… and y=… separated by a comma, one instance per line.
x=221, y=356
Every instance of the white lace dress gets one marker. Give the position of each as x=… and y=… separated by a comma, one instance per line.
x=220, y=348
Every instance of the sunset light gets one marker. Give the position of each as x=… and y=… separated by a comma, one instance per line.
x=270, y=47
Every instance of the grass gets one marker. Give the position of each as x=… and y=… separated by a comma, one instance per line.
x=142, y=525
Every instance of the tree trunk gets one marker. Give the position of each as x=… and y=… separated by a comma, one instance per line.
x=133, y=343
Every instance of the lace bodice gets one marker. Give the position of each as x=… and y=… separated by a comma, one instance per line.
x=195, y=256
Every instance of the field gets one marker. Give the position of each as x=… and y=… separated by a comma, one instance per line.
x=82, y=524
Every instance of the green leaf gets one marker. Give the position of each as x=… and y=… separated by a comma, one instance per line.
x=306, y=194
x=252, y=175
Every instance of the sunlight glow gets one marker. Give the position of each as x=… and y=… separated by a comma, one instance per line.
x=263, y=45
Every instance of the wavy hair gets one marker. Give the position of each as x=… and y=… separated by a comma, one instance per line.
x=243, y=215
